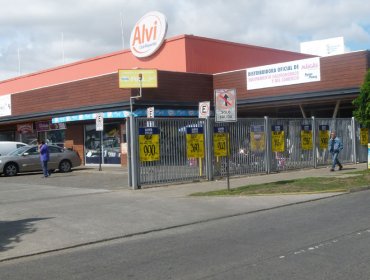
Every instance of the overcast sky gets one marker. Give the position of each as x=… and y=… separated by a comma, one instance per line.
x=34, y=28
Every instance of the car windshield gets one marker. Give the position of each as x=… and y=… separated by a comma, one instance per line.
x=19, y=151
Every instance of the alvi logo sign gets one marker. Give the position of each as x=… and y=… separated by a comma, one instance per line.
x=148, y=34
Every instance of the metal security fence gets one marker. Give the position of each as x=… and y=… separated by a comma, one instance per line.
x=173, y=164
x=294, y=154
x=361, y=147
x=247, y=148
x=161, y=150
x=345, y=130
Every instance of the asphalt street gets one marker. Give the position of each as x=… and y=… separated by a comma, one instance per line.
x=94, y=212
x=323, y=239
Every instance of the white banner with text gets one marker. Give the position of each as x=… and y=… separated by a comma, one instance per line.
x=283, y=74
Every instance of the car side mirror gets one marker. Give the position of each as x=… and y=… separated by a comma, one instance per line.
x=25, y=154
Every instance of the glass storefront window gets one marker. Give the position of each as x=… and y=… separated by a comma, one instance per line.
x=29, y=138
x=52, y=137
x=111, y=144
x=7, y=136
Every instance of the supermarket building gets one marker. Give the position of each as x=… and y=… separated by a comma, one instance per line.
x=59, y=104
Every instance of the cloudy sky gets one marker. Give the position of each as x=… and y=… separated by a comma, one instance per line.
x=31, y=32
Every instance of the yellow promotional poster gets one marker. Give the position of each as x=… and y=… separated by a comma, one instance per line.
x=257, y=138
x=195, y=142
x=306, y=137
x=144, y=78
x=220, y=142
x=324, y=136
x=278, y=139
x=149, y=144
x=364, y=136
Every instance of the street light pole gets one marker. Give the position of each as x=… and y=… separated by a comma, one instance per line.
x=133, y=133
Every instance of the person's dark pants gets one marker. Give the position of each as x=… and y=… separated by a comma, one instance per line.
x=44, y=164
x=335, y=160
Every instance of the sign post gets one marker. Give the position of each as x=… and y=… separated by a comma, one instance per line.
x=225, y=110
x=99, y=121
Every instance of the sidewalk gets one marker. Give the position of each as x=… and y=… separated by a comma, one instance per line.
x=189, y=188
x=43, y=218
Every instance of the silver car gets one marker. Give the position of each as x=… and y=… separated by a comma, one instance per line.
x=27, y=159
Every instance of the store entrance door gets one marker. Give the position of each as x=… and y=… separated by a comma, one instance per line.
x=111, y=148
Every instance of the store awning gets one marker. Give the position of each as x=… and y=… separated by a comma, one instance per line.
x=91, y=116
x=126, y=114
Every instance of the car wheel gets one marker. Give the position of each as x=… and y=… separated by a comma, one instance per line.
x=65, y=166
x=11, y=169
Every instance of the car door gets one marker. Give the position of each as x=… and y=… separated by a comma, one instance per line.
x=55, y=156
x=30, y=160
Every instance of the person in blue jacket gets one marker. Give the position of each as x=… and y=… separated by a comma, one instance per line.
x=44, y=156
x=335, y=146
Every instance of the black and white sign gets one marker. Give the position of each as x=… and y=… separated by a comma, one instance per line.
x=99, y=122
x=204, y=109
x=150, y=112
x=225, y=105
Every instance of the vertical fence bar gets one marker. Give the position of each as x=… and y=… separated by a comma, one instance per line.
x=354, y=140
x=134, y=162
x=314, y=143
x=129, y=155
x=268, y=154
x=208, y=139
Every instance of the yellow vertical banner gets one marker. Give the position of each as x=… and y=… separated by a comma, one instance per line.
x=257, y=138
x=306, y=137
x=324, y=136
x=195, y=142
x=364, y=136
x=278, y=138
x=149, y=144
x=220, y=142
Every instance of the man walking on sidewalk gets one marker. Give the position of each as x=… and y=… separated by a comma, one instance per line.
x=335, y=146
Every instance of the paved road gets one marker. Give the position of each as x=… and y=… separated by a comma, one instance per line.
x=87, y=178
x=324, y=239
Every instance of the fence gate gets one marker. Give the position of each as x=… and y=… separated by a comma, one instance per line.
x=247, y=144
x=181, y=150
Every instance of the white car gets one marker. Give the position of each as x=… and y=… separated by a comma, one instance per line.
x=27, y=159
x=9, y=146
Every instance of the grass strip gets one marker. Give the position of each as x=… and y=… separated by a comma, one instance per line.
x=306, y=185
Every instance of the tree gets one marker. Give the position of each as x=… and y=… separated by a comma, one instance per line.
x=362, y=103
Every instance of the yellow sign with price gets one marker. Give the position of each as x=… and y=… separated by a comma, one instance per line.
x=278, y=138
x=306, y=137
x=364, y=136
x=324, y=136
x=149, y=144
x=257, y=138
x=195, y=142
x=220, y=142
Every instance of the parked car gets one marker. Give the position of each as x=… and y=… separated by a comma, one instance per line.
x=27, y=159
x=9, y=146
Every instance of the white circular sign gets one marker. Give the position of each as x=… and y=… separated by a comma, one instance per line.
x=148, y=34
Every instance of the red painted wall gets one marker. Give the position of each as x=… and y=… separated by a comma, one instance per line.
x=185, y=53
x=205, y=55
